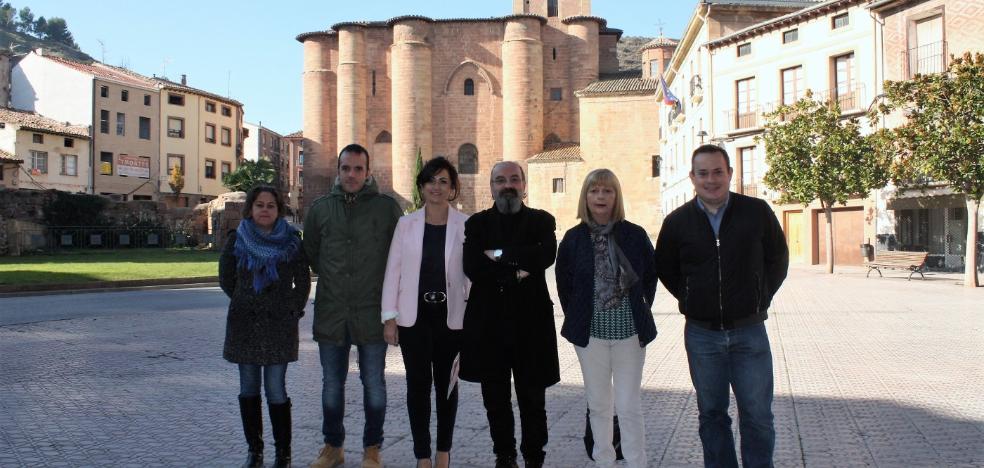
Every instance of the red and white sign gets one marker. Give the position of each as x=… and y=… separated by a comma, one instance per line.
x=134, y=166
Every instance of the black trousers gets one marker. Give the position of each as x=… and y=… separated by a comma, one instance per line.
x=429, y=348
x=497, y=397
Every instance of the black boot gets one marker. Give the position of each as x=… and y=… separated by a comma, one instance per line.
x=280, y=422
x=534, y=463
x=251, y=410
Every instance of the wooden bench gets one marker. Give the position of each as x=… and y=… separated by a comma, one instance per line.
x=914, y=262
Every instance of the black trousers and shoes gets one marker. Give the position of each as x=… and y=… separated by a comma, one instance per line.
x=497, y=396
x=429, y=348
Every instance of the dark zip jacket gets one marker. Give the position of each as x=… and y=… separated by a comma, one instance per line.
x=725, y=281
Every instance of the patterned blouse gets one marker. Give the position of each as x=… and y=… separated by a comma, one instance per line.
x=611, y=323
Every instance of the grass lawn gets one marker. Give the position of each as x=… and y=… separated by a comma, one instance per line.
x=108, y=265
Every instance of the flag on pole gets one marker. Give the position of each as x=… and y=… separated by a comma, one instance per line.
x=668, y=97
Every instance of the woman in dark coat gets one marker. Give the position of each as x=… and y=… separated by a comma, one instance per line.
x=609, y=323
x=265, y=273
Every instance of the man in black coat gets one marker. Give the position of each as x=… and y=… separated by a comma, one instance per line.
x=724, y=256
x=509, y=326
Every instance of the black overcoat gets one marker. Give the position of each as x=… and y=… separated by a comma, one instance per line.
x=262, y=328
x=510, y=322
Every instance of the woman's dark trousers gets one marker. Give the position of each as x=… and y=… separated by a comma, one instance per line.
x=429, y=348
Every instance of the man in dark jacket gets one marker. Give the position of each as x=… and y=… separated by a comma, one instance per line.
x=509, y=327
x=347, y=236
x=724, y=256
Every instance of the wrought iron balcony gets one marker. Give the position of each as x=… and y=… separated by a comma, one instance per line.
x=925, y=59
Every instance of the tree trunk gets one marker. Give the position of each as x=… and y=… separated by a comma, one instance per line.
x=828, y=212
x=970, y=264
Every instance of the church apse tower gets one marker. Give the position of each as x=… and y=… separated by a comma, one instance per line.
x=476, y=91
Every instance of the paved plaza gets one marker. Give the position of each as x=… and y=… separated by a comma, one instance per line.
x=869, y=372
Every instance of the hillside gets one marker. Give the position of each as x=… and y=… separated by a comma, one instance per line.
x=20, y=43
x=628, y=52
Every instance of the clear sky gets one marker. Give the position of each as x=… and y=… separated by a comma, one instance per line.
x=246, y=48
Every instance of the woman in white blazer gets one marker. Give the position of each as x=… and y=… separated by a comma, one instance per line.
x=423, y=305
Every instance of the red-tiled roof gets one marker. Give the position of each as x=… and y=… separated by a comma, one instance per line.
x=660, y=42
x=32, y=121
x=560, y=152
x=623, y=83
x=297, y=134
x=6, y=157
x=168, y=84
x=102, y=71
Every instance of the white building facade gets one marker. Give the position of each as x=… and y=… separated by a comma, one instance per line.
x=828, y=49
x=691, y=122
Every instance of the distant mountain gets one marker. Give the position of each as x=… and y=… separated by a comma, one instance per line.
x=19, y=43
x=629, y=55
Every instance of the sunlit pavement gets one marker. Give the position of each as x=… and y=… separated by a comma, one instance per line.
x=869, y=372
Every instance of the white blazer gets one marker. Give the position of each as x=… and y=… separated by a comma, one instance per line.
x=402, y=281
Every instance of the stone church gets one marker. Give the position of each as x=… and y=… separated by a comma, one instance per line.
x=541, y=86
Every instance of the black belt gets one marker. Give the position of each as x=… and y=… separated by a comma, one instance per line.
x=435, y=297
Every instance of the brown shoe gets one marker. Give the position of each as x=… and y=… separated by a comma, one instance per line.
x=330, y=457
x=371, y=458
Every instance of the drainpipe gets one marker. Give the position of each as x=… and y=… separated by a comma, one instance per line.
x=878, y=44
x=710, y=83
x=92, y=142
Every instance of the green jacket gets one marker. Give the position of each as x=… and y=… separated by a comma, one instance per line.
x=347, y=240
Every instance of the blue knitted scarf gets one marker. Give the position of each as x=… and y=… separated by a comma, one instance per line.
x=260, y=253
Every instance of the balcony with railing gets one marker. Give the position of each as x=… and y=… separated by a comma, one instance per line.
x=850, y=99
x=696, y=89
x=741, y=120
x=925, y=59
x=751, y=190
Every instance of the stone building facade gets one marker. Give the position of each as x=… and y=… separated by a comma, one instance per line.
x=476, y=91
x=920, y=36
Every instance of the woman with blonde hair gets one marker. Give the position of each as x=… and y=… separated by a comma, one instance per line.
x=609, y=323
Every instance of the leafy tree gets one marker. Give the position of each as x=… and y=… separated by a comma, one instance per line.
x=176, y=181
x=41, y=27
x=7, y=13
x=249, y=174
x=25, y=23
x=815, y=154
x=416, y=200
x=57, y=31
x=942, y=139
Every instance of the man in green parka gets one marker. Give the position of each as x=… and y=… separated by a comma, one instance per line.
x=347, y=236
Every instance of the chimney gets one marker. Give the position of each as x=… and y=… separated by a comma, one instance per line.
x=184, y=79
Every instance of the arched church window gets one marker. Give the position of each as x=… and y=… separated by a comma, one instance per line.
x=384, y=137
x=469, y=87
x=468, y=159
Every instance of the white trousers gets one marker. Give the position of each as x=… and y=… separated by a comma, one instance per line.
x=604, y=362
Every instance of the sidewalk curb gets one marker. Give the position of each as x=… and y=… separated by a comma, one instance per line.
x=19, y=290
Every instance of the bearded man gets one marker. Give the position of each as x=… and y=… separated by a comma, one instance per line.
x=509, y=325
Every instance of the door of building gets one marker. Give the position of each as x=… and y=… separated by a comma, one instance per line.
x=848, y=236
x=793, y=225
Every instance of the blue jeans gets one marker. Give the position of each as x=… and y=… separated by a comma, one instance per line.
x=739, y=358
x=334, y=368
x=273, y=378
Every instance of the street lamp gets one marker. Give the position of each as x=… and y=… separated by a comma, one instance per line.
x=702, y=134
